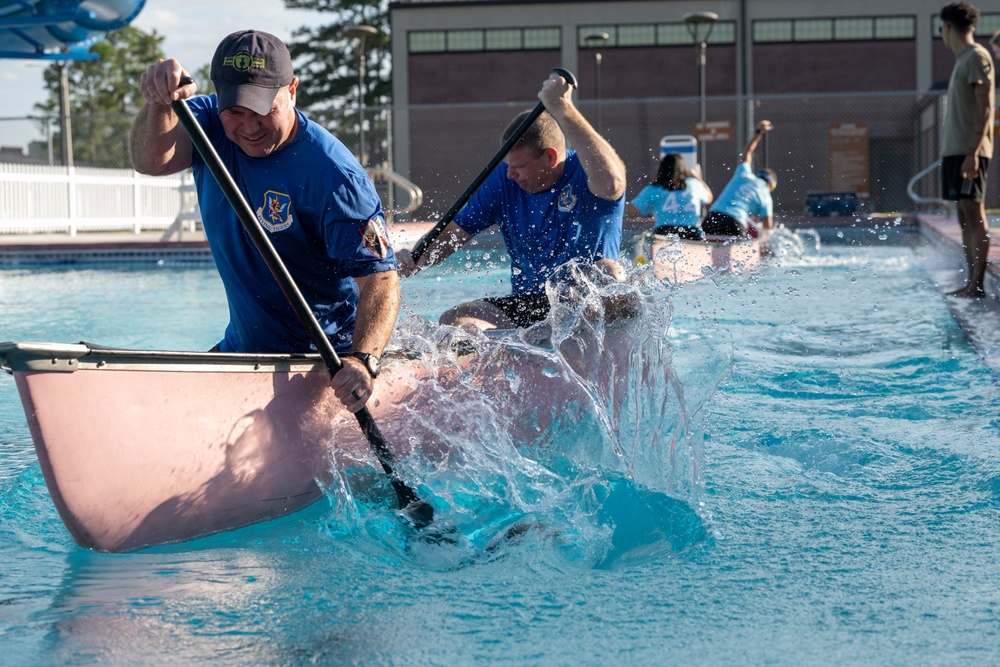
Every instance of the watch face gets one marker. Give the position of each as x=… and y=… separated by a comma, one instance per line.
x=373, y=365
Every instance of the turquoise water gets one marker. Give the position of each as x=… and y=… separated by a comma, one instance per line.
x=832, y=499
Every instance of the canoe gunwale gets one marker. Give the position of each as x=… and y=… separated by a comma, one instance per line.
x=58, y=357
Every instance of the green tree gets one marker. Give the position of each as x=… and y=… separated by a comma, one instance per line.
x=326, y=62
x=103, y=94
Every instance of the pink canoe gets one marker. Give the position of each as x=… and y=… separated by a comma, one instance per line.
x=142, y=448
x=678, y=260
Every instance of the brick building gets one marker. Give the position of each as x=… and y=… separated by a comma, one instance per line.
x=463, y=68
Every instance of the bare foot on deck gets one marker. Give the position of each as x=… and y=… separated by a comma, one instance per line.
x=968, y=293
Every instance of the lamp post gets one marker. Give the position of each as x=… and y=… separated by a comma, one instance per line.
x=596, y=39
x=700, y=25
x=362, y=33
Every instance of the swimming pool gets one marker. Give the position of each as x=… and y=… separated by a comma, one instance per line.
x=846, y=511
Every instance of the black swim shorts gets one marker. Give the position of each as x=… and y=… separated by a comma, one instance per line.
x=681, y=231
x=954, y=187
x=522, y=310
x=717, y=223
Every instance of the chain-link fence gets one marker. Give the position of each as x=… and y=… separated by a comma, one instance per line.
x=869, y=144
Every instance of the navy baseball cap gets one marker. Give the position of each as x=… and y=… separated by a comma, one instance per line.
x=248, y=69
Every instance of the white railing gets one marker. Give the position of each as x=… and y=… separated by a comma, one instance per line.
x=44, y=199
x=39, y=199
x=916, y=179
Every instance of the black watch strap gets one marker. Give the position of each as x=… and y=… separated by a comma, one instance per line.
x=372, y=363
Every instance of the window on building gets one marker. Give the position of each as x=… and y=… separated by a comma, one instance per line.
x=503, y=40
x=895, y=27
x=772, y=31
x=661, y=34
x=813, y=30
x=848, y=29
x=542, y=38
x=492, y=39
x=636, y=35
x=840, y=29
x=465, y=40
x=426, y=41
x=669, y=34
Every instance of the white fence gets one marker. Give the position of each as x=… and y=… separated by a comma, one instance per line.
x=37, y=199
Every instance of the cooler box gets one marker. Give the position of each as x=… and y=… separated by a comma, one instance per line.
x=685, y=144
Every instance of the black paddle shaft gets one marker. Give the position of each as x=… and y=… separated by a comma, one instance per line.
x=420, y=247
x=418, y=512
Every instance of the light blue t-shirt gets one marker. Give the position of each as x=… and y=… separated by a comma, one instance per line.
x=681, y=208
x=542, y=231
x=745, y=196
x=323, y=218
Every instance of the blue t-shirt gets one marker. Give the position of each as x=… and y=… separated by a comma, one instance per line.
x=674, y=207
x=745, y=196
x=323, y=218
x=544, y=230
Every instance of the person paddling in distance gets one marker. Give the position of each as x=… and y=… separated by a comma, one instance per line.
x=552, y=205
x=747, y=195
x=319, y=208
x=676, y=199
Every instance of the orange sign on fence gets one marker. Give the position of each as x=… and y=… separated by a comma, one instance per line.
x=848, y=149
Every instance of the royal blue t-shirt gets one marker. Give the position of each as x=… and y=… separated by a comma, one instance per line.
x=323, y=218
x=542, y=231
x=745, y=195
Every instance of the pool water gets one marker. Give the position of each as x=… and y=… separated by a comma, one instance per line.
x=823, y=488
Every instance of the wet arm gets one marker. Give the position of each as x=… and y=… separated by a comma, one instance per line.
x=378, y=307
x=763, y=127
x=451, y=238
x=159, y=143
x=605, y=170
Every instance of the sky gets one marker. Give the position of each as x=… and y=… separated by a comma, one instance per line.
x=191, y=31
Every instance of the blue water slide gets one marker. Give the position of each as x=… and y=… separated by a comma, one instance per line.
x=60, y=29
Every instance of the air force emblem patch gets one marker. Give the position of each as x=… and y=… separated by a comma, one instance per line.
x=276, y=213
x=374, y=238
x=567, y=200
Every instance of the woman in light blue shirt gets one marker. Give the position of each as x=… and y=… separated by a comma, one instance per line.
x=675, y=198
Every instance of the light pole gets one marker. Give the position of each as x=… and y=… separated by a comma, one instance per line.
x=362, y=33
x=66, y=126
x=700, y=25
x=596, y=39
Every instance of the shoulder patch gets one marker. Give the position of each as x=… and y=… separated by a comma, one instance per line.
x=374, y=238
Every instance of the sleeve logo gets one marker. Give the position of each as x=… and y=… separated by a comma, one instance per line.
x=374, y=238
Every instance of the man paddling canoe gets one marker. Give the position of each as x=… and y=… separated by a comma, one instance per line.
x=552, y=205
x=318, y=206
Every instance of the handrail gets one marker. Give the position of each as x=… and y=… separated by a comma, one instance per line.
x=913, y=181
x=411, y=189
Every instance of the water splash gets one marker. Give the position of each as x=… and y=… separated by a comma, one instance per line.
x=539, y=434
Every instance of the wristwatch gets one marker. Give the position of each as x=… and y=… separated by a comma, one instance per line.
x=372, y=363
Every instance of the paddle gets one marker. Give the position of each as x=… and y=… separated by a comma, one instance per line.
x=421, y=245
x=419, y=513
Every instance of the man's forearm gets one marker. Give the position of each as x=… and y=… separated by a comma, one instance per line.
x=984, y=118
x=159, y=145
x=378, y=307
